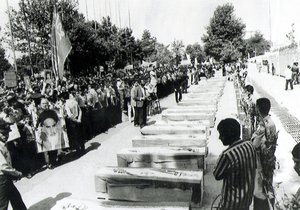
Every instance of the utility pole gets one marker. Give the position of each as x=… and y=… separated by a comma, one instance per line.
x=270, y=23
x=128, y=5
x=12, y=37
x=119, y=14
x=94, y=15
x=86, y=11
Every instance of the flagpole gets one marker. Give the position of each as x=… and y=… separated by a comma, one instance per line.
x=55, y=70
x=86, y=10
x=12, y=37
x=94, y=15
x=120, y=23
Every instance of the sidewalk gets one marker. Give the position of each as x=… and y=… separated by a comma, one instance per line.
x=285, y=179
x=275, y=86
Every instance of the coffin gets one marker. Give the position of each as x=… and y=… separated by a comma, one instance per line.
x=205, y=89
x=175, y=129
x=203, y=95
x=192, y=158
x=189, y=117
x=80, y=204
x=211, y=107
x=149, y=185
x=183, y=141
x=198, y=103
x=187, y=123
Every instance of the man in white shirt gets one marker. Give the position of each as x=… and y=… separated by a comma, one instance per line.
x=288, y=77
x=73, y=123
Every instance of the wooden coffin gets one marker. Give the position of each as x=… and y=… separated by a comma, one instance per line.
x=184, y=141
x=150, y=185
x=192, y=158
x=209, y=84
x=200, y=98
x=212, y=100
x=189, y=117
x=205, y=89
x=212, y=107
x=187, y=123
x=197, y=102
x=175, y=129
x=80, y=204
x=189, y=110
x=203, y=95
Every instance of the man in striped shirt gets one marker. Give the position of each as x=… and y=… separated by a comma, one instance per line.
x=236, y=167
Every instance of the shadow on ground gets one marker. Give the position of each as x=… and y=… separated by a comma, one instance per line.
x=93, y=146
x=48, y=203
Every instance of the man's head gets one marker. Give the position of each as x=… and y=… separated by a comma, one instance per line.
x=44, y=104
x=296, y=158
x=249, y=89
x=4, y=130
x=48, y=119
x=263, y=106
x=229, y=130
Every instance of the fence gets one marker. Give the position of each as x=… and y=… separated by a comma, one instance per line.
x=280, y=58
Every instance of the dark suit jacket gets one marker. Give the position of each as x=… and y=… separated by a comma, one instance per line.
x=137, y=95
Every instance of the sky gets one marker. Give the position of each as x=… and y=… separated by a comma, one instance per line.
x=187, y=20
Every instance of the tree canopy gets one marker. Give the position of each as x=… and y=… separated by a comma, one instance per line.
x=94, y=44
x=224, y=38
x=4, y=64
x=257, y=44
x=195, y=51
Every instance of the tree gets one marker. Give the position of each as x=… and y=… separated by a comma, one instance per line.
x=178, y=51
x=257, y=44
x=148, y=44
x=4, y=64
x=163, y=55
x=31, y=27
x=224, y=32
x=195, y=51
x=291, y=36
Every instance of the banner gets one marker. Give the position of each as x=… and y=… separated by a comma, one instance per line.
x=60, y=44
x=14, y=133
x=196, y=63
x=10, y=79
x=51, y=134
x=27, y=82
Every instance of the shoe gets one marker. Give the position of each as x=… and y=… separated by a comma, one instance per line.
x=29, y=176
x=50, y=166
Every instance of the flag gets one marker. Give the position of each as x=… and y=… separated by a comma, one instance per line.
x=196, y=63
x=61, y=45
x=188, y=57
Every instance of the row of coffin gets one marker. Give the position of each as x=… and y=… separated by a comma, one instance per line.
x=166, y=164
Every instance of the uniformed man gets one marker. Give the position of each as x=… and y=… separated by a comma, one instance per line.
x=265, y=141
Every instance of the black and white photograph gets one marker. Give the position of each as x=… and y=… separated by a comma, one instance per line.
x=149, y=104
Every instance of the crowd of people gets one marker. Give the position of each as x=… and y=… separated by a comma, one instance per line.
x=48, y=119
x=54, y=118
x=76, y=109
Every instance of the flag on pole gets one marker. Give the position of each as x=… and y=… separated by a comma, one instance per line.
x=61, y=46
x=188, y=57
x=196, y=63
